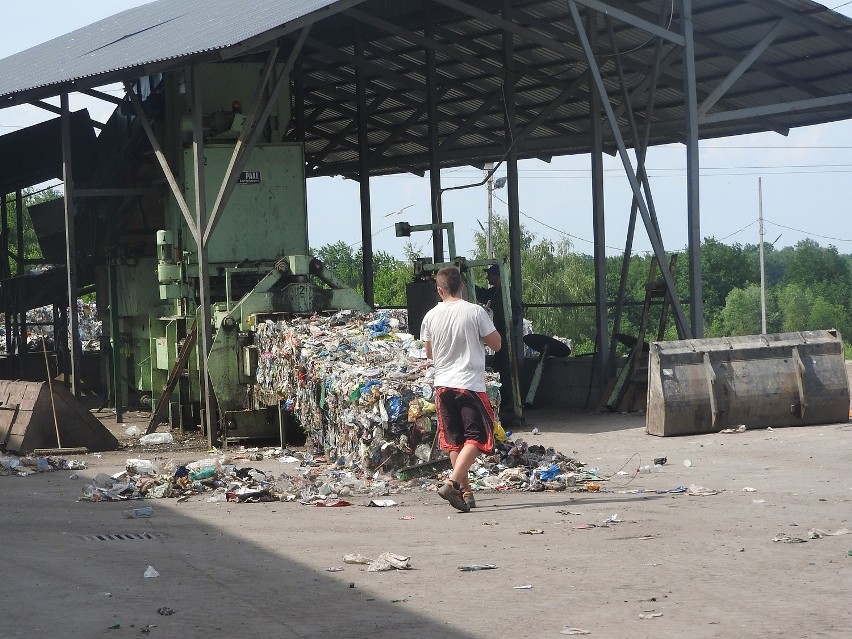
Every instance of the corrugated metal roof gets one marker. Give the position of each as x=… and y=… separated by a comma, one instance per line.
x=146, y=35
x=809, y=59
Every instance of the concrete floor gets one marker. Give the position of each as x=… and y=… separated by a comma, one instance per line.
x=707, y=565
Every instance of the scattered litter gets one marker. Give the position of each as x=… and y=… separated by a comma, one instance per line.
x=165, y=611
x=389, y=561
x=650, y=615
x=472, y=567
x=532, y=531
x=749, y=489
x=133, y=431
x=332, y=503
x=334, y=569
x=660, y=461
x=536, y=431
x=816, y=533
x=729, y=431
x=570, y=630
x=407, y=517
x=584, y=526
x=490, y=522
x=613, y=520
x=787, y=539
x=757, y=502
x=382, y=503
x=32, y=464
x=524, y=587
x=700, y=491
x=356, y=558
x=156, y=438
x=150, y=571
x=687, y=463
x=139, y=513
x=566, y=512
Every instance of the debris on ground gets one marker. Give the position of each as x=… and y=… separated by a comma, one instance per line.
x=32, y=464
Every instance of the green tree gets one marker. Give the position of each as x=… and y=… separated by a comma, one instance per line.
x=32, y=250
x=724, y=268
x=550, y=274
x=389, y=274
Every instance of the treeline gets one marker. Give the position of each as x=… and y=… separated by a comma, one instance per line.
x=808, y=287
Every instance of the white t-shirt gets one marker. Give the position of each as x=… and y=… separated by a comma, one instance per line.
x=456, y=329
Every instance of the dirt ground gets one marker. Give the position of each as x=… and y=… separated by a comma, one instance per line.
x=675, y=565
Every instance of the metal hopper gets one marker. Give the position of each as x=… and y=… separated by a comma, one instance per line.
x=784, y=379
x=31, y=419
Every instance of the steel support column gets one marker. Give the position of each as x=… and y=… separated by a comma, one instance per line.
x=75, y=347
x=434, y=140
x=683, y=328
x=364, y=172
x=696, y=289
x=598, y=225
x=641, y=148
x=204, y=324
x=5, y=272
x=115, y=341
x=21, y=315
x=514, y=212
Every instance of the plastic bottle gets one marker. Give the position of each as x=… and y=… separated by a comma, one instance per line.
x=203, y=473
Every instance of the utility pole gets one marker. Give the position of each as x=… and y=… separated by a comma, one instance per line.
x=489, y=243
x=762, y=267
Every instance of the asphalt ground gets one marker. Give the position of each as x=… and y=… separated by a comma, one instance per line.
x=637, y=559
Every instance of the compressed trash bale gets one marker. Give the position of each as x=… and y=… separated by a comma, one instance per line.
x=351, y=379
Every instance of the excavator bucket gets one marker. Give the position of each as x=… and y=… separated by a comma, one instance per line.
x=784, y=379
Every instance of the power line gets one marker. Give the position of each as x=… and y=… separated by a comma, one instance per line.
x=790, y=228
x=738, y=231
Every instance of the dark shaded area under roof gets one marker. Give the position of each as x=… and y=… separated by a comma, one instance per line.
x=801, y=73
x=34, y=155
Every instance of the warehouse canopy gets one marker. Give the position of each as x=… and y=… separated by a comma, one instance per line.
x=760, y=65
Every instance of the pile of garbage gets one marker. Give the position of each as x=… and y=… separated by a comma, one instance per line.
x=32, y=464
x=157, y=479
x=358, y=384
x=314, y=480
x=40, y=322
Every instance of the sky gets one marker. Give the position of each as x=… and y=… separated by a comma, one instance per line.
x=804, y=176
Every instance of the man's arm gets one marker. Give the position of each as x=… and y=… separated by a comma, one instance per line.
x=428, y=350
x=492, y=341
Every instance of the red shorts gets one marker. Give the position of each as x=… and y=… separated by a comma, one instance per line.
x=464, y=417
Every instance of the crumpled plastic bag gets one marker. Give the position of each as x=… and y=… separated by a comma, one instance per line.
x=389, y=561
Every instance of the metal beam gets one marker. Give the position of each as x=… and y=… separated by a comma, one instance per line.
x=75, y=348
x=507, y=25
x=777, y=9
x=777, y=109
x=161, y=158
x=659, y=251
x=633, y=20
x=601, y=354
x=204, y=321
x=696, y=297
x=741, y=68
x=434, y=141
x=364, y=175
x=120, y=192
x=102, y=95
x=515, y=333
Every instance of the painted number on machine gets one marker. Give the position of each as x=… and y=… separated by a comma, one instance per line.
x=249, y=177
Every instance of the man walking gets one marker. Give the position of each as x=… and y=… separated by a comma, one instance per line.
x=455, y=332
